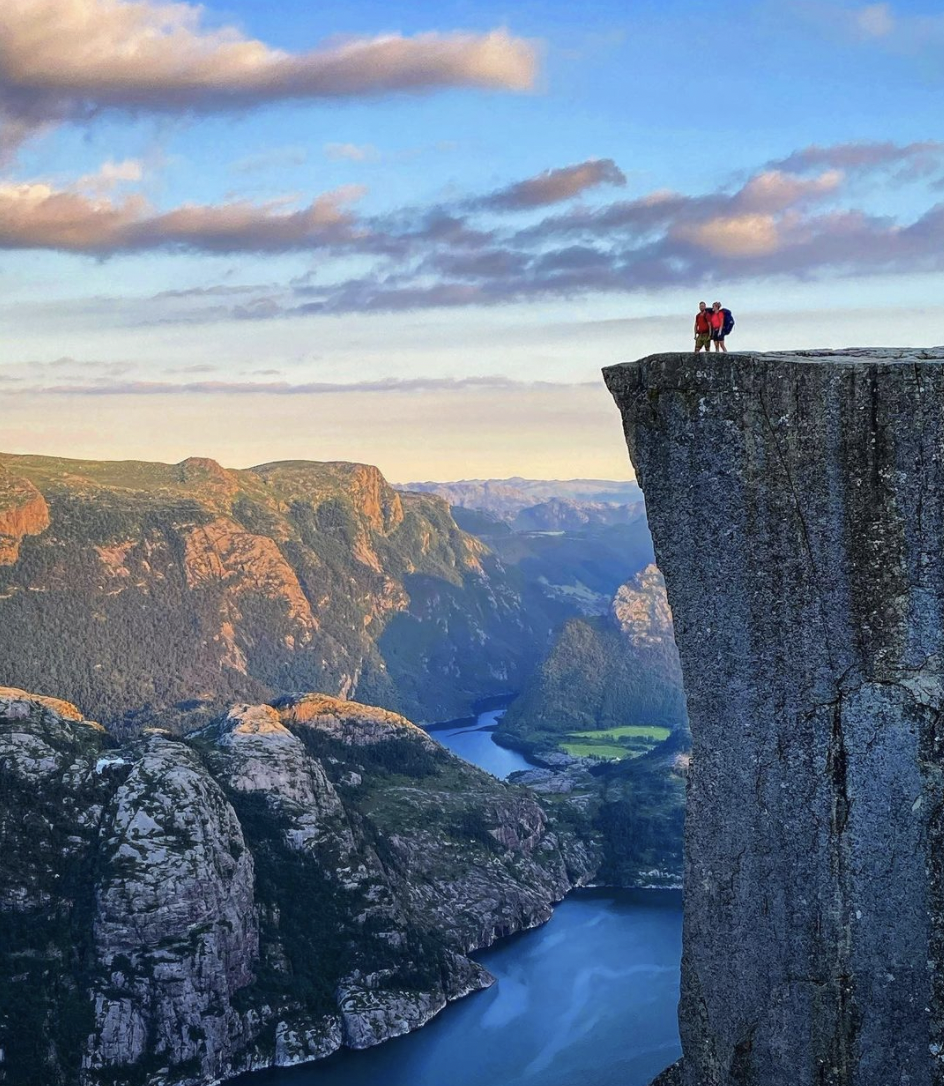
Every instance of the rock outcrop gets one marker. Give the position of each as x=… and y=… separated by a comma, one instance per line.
x=23, y=512
x=797, y=507
x=293, y=878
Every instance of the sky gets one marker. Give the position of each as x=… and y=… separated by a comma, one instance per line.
x=412, y=234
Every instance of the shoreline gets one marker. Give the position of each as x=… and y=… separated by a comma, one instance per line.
x=661, y=894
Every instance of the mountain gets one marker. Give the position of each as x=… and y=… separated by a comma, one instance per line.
x=158, y=593
x=567, y=555
x=567, y=515
x=615, y=671
x=610, y=689
x=294, y=877
x=505, y=498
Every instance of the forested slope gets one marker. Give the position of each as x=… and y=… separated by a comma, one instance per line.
x=146, y=591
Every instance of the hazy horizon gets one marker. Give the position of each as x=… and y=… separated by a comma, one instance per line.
x=412, y=235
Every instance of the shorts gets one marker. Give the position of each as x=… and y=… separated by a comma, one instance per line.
x=702, y=340
x=718, y=335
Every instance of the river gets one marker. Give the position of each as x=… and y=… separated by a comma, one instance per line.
x=472, y=740
x=588, y=998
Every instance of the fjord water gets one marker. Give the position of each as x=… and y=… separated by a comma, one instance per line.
x=590, y=997
x=472, y=740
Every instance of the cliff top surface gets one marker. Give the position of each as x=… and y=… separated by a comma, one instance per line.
x=705, y=365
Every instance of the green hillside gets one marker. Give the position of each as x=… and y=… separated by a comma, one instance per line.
x=158, y=592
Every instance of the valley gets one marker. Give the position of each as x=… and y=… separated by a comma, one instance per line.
x=303, y=870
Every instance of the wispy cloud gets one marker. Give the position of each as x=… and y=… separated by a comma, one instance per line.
x=110, y=176
x=797, y=217
x=273, y=158
x=66, y=59
x=883, y=26
x=554, y=186
x=109, y=387
x=909, y=160
x=351, y=152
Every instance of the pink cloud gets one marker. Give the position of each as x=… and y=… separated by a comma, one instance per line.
x=66, y=58
x=553, y=186
x=38, y=216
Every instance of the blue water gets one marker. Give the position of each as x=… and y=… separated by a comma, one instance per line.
x=474, y=743
x=589, y=999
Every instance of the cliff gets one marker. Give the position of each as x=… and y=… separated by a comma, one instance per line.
x=23, y=512
x=295, y=877
x=796, y=503
x=244, y=585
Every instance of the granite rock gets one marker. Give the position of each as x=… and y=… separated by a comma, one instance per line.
x=293, y=878
x=796, y=503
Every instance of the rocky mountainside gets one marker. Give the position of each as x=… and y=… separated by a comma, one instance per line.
x=797, y=507
x=294, y=877
x=605, y=672
x=154, y=591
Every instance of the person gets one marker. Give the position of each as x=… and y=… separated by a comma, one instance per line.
x=716, y=320
x=702, y=329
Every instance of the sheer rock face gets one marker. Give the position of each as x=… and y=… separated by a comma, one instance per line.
x=292, y=878
x=176, y=935
x=796, y=503
x=23, y=512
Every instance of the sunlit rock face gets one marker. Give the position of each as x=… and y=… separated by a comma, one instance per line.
x=796, y=503
x=247, y=584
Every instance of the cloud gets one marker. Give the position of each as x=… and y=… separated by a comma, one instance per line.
x=774, y=190
x=273, y=158
x=351, y=152
x=110, y=175
x=735, y=235
x=798, y=217
x=414, y=385
x=66, y=59
x=879, y=26
x=554, y=186
x=874, y=21
x=39, y=216
x=909, y=161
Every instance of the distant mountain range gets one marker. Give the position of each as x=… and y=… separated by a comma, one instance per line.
x=505, y=498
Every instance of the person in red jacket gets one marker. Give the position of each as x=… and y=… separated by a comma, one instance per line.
x=716, y=320
x=702, y=328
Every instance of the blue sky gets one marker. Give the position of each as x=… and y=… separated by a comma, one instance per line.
x=220, y=236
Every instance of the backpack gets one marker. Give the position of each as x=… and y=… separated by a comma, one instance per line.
x=728, y=325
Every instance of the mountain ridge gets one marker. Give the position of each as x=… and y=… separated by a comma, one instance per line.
x=247, y=583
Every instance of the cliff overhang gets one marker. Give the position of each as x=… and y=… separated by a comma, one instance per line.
x=796, y=503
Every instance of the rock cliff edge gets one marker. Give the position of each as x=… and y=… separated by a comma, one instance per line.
x=797, y=507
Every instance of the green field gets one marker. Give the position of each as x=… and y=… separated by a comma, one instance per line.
x=634, y=731
x=614, y=744
x=599, y=750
